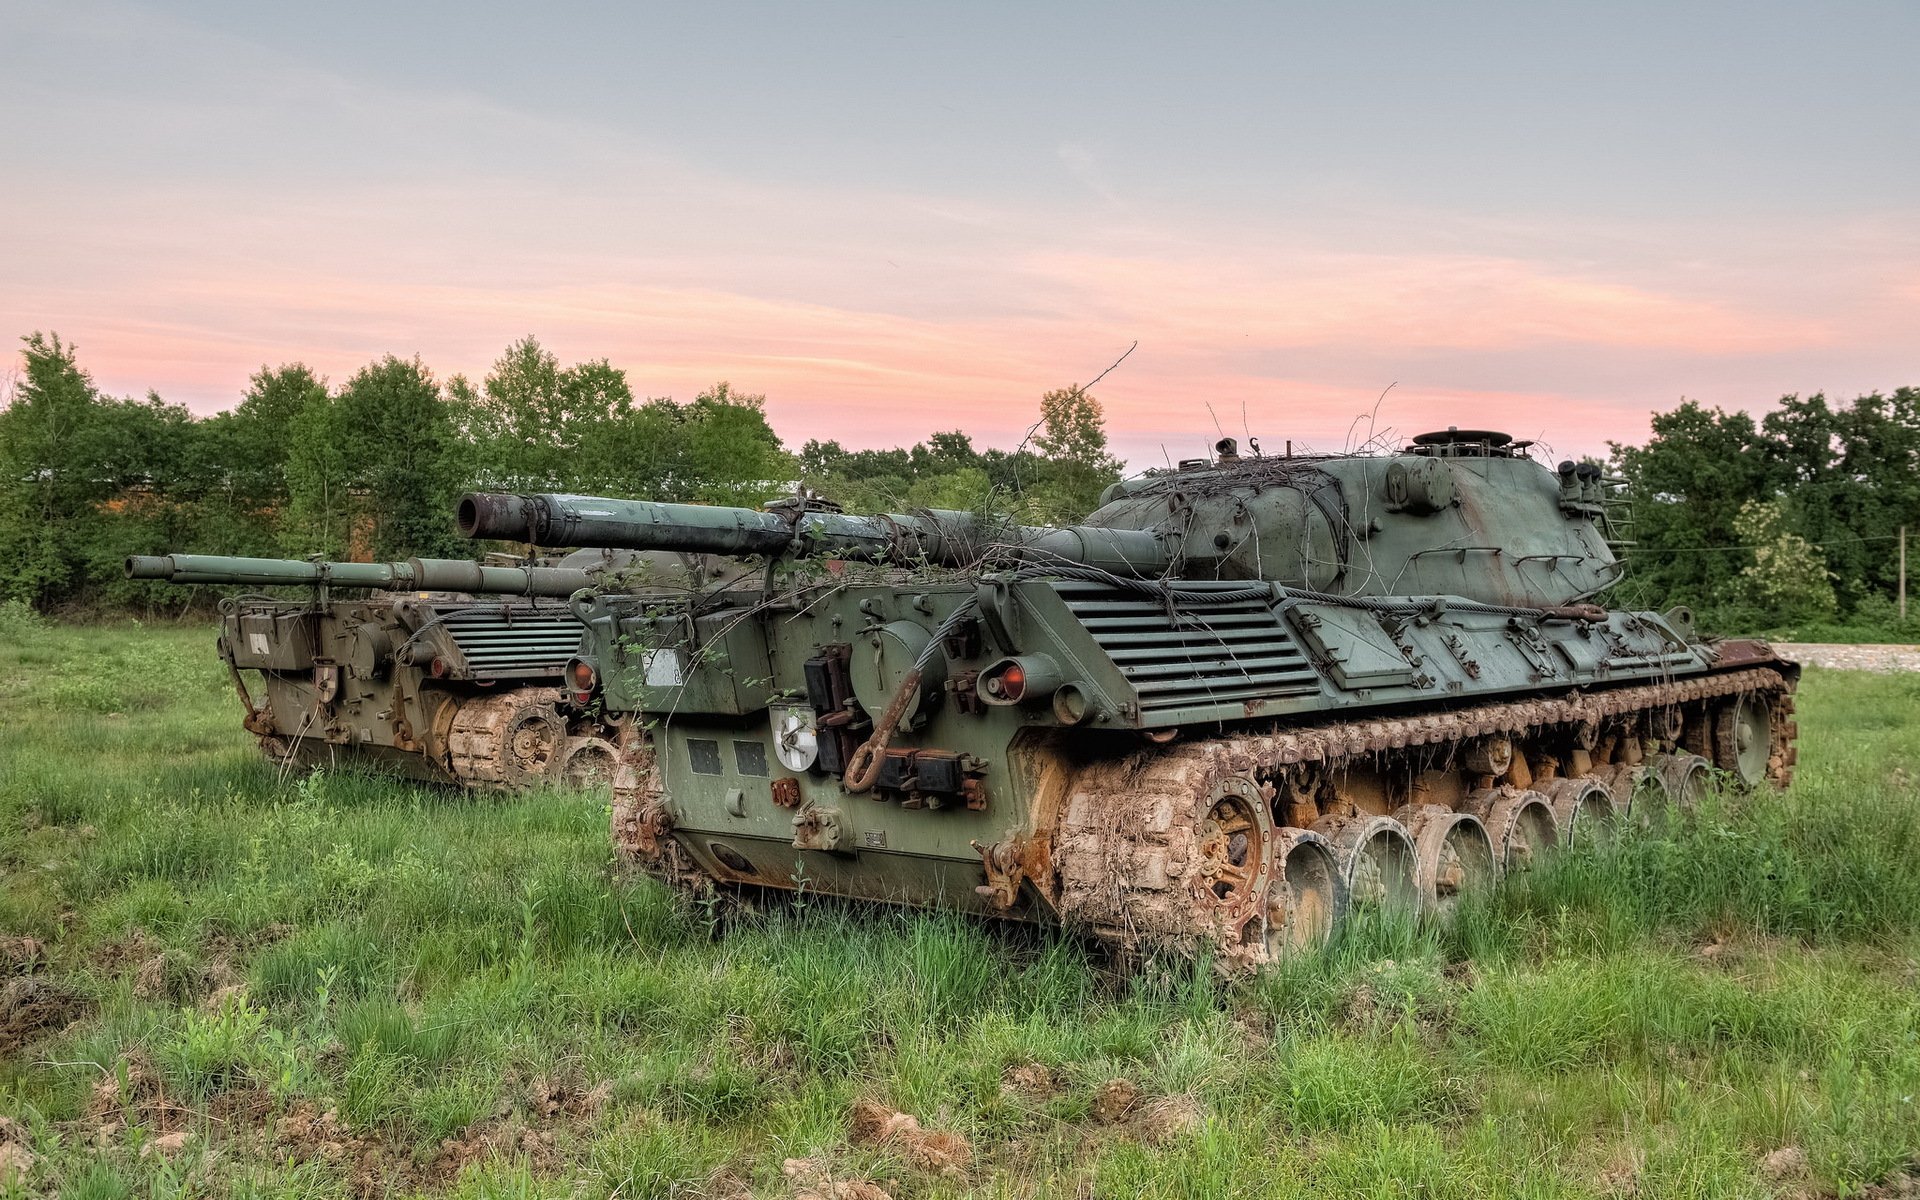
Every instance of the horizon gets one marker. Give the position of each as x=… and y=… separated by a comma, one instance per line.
x=893, y=221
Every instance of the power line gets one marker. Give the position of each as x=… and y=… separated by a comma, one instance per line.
x=1888, y=537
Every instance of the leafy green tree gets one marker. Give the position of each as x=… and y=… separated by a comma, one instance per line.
x=405, y=459
x=1072, y=438
x=732, y=454
x=50, y=476
x=1688, y=483
x=1787, y=579
x=538, y=426
x=320, y=505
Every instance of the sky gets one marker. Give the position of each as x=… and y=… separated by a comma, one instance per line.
x=1317, y=221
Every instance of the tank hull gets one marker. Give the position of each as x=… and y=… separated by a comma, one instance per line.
x=460, y=692
x=1303, y=719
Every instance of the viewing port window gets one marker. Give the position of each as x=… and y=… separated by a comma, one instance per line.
x=750, y=758
x=703, y=754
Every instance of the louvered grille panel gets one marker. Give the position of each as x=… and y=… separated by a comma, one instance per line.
x=1193, y=656
x=501, y=643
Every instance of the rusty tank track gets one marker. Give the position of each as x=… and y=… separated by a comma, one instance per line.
x=513, y=740
x=1186, y=845
x=1130, y=854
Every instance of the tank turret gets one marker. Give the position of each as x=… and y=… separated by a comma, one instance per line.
x=1463, y=514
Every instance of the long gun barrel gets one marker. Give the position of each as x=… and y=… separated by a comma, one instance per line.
x=415, y=574
x=932, y=535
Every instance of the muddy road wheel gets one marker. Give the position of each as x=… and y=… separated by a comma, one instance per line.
x=1520, y=823
x=1376, y=859
x=1452, y=853
x=1582, y=808
x=1680, y=780
x=1307, y=899
x=588, y=763
x=508, y=741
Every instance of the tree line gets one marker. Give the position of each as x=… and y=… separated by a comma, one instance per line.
x=370, y=468
x=1786, y=521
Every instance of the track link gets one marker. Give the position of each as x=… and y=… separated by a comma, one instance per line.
x=512, y=740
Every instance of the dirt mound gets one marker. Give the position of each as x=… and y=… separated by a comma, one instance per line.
x=16, y=1153
x=550, y=1098
x=878, y=1127
x=33, y=1004
x=1788, y=1162
x=490, y=1140
x=21, y=955
x=1151, y=1119
x=1164, y=1118
x=1115, y=1100
x=134, y=1094
x=811, y=1181
x=1031, y=1081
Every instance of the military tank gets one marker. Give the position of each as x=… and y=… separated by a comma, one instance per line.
x=436, y=669
x=1244, y=696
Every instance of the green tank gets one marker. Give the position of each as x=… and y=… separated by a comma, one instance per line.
x=438, y=669
x=1244, y=696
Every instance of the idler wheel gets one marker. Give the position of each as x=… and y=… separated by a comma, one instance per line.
x=588, y=763
x=1376, y=857
x=1743, y=738
x=1583, y=808
x=1234, y=843
x=1452, y=852
x=1683, y=779
x=1520, y=824
x=1306, y=900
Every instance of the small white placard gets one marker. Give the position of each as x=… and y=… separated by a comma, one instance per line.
x=663, y=668
x=258, y=641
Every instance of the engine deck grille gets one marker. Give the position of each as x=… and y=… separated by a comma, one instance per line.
x=501, y=642
x=1180, y=660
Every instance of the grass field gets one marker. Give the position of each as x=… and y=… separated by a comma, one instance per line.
x=344, y=986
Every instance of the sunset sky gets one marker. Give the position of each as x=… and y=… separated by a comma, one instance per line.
x=896, y=218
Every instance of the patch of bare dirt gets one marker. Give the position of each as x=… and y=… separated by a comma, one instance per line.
x=1151, y=1119
x=1788, y=1162
x=16, y=1152
x=548, y=1099
x=1900, y=1187
x=812, y=1181
x=133, y=1095
x=166, y=1145
x=1029, y=1081
x=21, y=955
x=115, y=956
x=372, y=1168
x=486, y=1141
x=33, y=1004
x=878, y=1127
x=1164, y=1118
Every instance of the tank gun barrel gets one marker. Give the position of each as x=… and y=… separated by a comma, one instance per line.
x=414, y=574
x=931, y=535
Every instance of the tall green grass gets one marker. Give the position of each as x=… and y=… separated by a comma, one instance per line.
x=1652, y=1018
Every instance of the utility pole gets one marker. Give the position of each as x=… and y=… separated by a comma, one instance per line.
x=1903, y=574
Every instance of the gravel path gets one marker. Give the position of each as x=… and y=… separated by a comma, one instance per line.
x=1840, y=657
